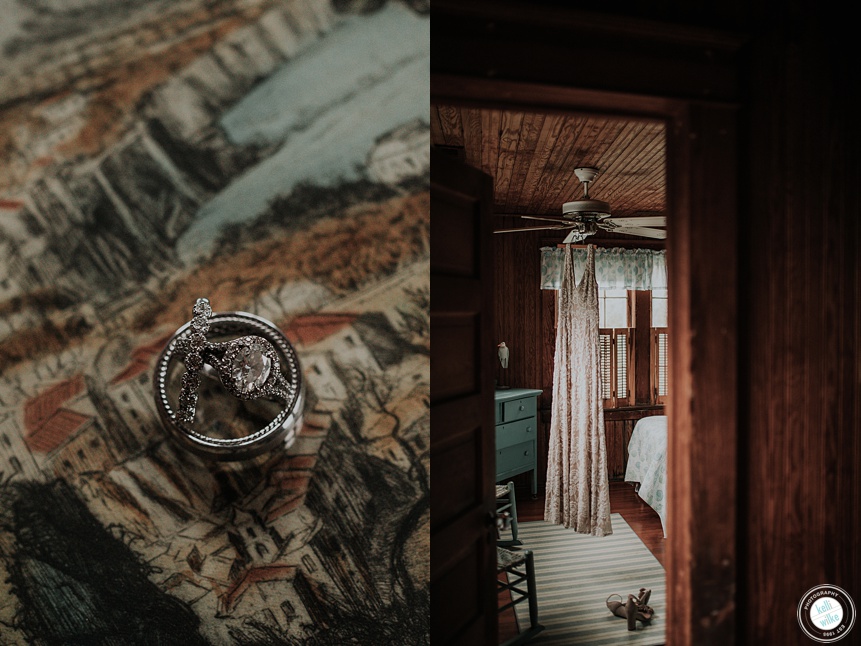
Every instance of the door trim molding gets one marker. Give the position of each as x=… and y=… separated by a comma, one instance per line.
x=702, y=159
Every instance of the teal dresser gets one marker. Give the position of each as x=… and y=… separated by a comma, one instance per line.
x=517, y=434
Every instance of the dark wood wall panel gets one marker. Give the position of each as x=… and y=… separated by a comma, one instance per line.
x=520, y=308
x=803, y=275
x=614, y=432
x=643, y=345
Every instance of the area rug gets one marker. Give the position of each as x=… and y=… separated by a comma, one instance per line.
x=574, y=575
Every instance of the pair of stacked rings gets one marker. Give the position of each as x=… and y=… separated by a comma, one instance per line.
x=258, y=363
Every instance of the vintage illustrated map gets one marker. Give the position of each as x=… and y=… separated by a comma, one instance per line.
x=272, y=156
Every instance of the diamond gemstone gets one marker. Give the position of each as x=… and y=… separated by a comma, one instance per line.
x=250, y=369
x=193, y=361
x=202, y=308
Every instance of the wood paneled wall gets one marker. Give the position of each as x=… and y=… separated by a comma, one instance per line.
x=521, y=320
x=801, y=361
x=519, y=311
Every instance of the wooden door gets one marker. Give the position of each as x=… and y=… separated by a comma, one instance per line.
x=463, y=536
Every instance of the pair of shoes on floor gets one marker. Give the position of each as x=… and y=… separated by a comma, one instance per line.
x=633, y=609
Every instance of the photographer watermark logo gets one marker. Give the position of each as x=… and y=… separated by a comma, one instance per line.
x=826, y=613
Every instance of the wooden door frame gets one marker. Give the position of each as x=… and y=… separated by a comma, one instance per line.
x=702, y=168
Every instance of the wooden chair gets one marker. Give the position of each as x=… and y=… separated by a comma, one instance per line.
x=518, y=567
x=506, y=507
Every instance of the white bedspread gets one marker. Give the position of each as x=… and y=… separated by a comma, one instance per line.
x=647, y=463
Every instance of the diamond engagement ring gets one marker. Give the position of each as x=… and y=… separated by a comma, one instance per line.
x=248, y=357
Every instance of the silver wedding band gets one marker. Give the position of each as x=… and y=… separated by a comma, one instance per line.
x=285, y=386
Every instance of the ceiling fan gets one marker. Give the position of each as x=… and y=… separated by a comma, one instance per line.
x=584, y=217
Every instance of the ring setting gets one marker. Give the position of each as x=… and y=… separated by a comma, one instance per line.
x=248, y=368
x=258, y=364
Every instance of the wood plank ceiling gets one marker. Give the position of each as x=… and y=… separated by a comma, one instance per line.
x=532, y=156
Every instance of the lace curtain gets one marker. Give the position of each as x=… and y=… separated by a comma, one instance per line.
x=615, y=268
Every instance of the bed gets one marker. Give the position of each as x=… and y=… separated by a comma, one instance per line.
x=647, y=463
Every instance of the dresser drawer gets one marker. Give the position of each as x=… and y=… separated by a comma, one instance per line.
x=518, y=409
x=520, y=457
x=515, y=432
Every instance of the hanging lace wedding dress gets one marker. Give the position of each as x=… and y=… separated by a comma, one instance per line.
x=578, y=491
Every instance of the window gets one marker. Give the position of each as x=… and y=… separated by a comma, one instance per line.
x=633, y=331
x=309, y=564
x=613, y=308
x=660, y=346
x=615, y=366
x=288, y=609
x=659, y=308
x=616, y=361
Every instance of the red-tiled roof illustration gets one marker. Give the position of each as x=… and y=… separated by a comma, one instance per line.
x=313, y=328
x=255, y=575
x=141, y=359
x=38, y=409
x=53, y=433
x=46, y=423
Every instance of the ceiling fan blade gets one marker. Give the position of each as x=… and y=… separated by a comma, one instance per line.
x=641, y=231
x=645, y=221
x=543, y=219
x=562, y=228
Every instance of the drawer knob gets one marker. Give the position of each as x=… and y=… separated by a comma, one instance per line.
x=522, y=407
x=526, y=453
x=528, y=429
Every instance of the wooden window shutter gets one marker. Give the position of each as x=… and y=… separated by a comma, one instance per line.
x=605, y=349
x=661, y=364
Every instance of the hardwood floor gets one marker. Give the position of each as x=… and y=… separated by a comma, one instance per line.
x=623, y=500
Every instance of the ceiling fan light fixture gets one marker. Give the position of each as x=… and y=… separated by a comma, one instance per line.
x=586, y=174
x=582, y=218
x=595, y=208
x=588, y=207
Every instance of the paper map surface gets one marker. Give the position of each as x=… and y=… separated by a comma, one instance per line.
x=272, y=156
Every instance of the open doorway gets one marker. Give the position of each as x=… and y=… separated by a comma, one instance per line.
x=480, y=61
x=531, y=157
